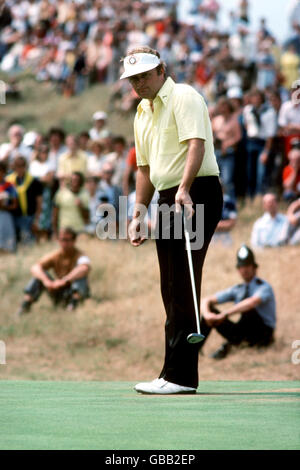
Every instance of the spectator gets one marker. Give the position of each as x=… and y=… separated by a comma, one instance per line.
x=261, y=126
x=118, y=159
x=9, y=150
x=289, y=64
x=99, y=130
x=227, y=222
x=8, y=203
x=129, y=172
x=83, y=142
x=109, y=192
x=254, y=299
x=41, y=165
x=268, y=229
x=92, y=184
x=289, y=115
x=227, y=133
x=56, y=138
x=291, y=172
x=71, y=206
x=72, y=160
x=29, y=191
x=292, y=230
x=43, y=169
x=96, y=159
x=71, y=268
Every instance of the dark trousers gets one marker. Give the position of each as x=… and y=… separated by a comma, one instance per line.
x=181, y=358
x=250, y=328
x=35, y=288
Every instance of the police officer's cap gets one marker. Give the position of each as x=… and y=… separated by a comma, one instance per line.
x=245, y=257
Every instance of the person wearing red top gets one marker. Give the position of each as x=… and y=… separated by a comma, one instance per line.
x=129, y=173
x=291, y=172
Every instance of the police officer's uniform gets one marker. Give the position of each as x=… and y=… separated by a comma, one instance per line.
x=255, y=326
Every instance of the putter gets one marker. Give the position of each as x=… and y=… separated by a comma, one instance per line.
x=192, y=337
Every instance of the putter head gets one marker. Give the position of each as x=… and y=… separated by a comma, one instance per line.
x=195, y=338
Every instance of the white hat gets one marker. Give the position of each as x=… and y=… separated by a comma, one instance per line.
x=234, y=92
x=99, y=115
x=139, y=63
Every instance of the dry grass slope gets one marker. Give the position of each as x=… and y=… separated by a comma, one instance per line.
x=118, y=333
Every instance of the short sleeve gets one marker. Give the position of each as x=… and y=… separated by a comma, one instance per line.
x=83, y=260
x=191, y=116
x=140, y=158
x=226, y=295
x=264, y=292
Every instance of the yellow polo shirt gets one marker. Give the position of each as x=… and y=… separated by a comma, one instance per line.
x=180, y=114
x=67, y=164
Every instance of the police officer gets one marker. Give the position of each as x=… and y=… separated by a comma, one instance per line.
x=254, y=299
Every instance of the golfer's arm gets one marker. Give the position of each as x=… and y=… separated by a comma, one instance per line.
x=144, y=188
x=193, y=162
x=243, y=306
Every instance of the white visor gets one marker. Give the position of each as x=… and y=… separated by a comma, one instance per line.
x=139, y=63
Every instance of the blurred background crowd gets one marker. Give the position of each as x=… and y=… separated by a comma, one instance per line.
x=249, y=78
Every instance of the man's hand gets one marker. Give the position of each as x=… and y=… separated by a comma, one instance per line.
x=263, y=158
x=54, y=285
x=136, y=232
x=183, y=198
x=214, y=319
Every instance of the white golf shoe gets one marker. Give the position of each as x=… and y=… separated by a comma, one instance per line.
x=162, y=387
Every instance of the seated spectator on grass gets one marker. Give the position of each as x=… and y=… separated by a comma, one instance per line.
x=70, y=267
x=29, y=191
x=291, y=172
x=99, y=130
x=8, y=203
x=73, y=159
x=227, y=222
x=9, y=150
x=268, y=229
x=71, y=206
x=254, y=300
x=292, y=231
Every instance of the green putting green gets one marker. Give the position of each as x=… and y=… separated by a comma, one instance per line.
x=112, y=416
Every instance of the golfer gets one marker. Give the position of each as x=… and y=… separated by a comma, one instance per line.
x=175, y=156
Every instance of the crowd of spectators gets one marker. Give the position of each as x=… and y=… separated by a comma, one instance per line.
x=247, y=77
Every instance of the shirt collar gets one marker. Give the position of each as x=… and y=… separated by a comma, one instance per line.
x=163, y=95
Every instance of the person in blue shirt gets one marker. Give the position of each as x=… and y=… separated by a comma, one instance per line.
x=253, y=299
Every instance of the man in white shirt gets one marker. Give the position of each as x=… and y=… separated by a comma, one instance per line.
x=9, y=150
x=268, y=230
x=99, y=130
